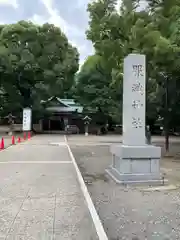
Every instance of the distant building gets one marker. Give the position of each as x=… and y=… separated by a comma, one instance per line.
x=59, y=114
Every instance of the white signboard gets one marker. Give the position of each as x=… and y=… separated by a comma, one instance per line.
x=27, y=115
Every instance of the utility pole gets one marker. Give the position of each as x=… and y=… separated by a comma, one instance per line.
x=165, y=78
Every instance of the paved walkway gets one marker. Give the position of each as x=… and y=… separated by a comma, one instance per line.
x=40, y=194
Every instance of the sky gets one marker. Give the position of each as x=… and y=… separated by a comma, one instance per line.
x=70, y=15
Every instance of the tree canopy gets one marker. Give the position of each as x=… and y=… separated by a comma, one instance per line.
x=95, y=91
x=36, y=62
x=153, y=31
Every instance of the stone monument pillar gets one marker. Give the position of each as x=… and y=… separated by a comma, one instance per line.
x=134, y=160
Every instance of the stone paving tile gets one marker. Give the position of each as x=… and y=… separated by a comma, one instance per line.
x=41, y=201
x=13, y=182
x=73, y=222
x=55, y=179
x=35, y=219
x=9, y=208
x=35, y=152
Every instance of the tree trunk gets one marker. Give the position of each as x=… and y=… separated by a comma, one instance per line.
x=166, y=118
x=167, y=141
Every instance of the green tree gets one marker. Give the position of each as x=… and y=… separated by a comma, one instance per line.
x=36, y=62
x=153, y=31
x=94, y=89
x=165, y=59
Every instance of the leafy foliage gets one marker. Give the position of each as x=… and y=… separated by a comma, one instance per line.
x=36, y=62
x=153, y=31
x=94, y=89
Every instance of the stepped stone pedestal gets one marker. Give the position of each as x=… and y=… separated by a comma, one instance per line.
x=134, y=161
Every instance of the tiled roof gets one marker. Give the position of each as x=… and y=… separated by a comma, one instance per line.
x=69, y=105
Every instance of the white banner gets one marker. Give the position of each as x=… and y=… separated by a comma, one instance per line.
x=27, y=115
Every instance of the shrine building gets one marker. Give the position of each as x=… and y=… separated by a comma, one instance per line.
x=59, y=114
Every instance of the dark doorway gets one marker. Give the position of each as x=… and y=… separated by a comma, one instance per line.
x=53, y=125
x=56, y=125
x=45, y=124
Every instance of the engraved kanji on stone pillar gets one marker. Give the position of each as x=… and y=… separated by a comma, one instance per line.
x=134, y=86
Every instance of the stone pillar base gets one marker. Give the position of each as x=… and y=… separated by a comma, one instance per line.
x=135, y=164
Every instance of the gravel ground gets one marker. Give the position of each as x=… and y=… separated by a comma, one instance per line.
x=131, y=213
